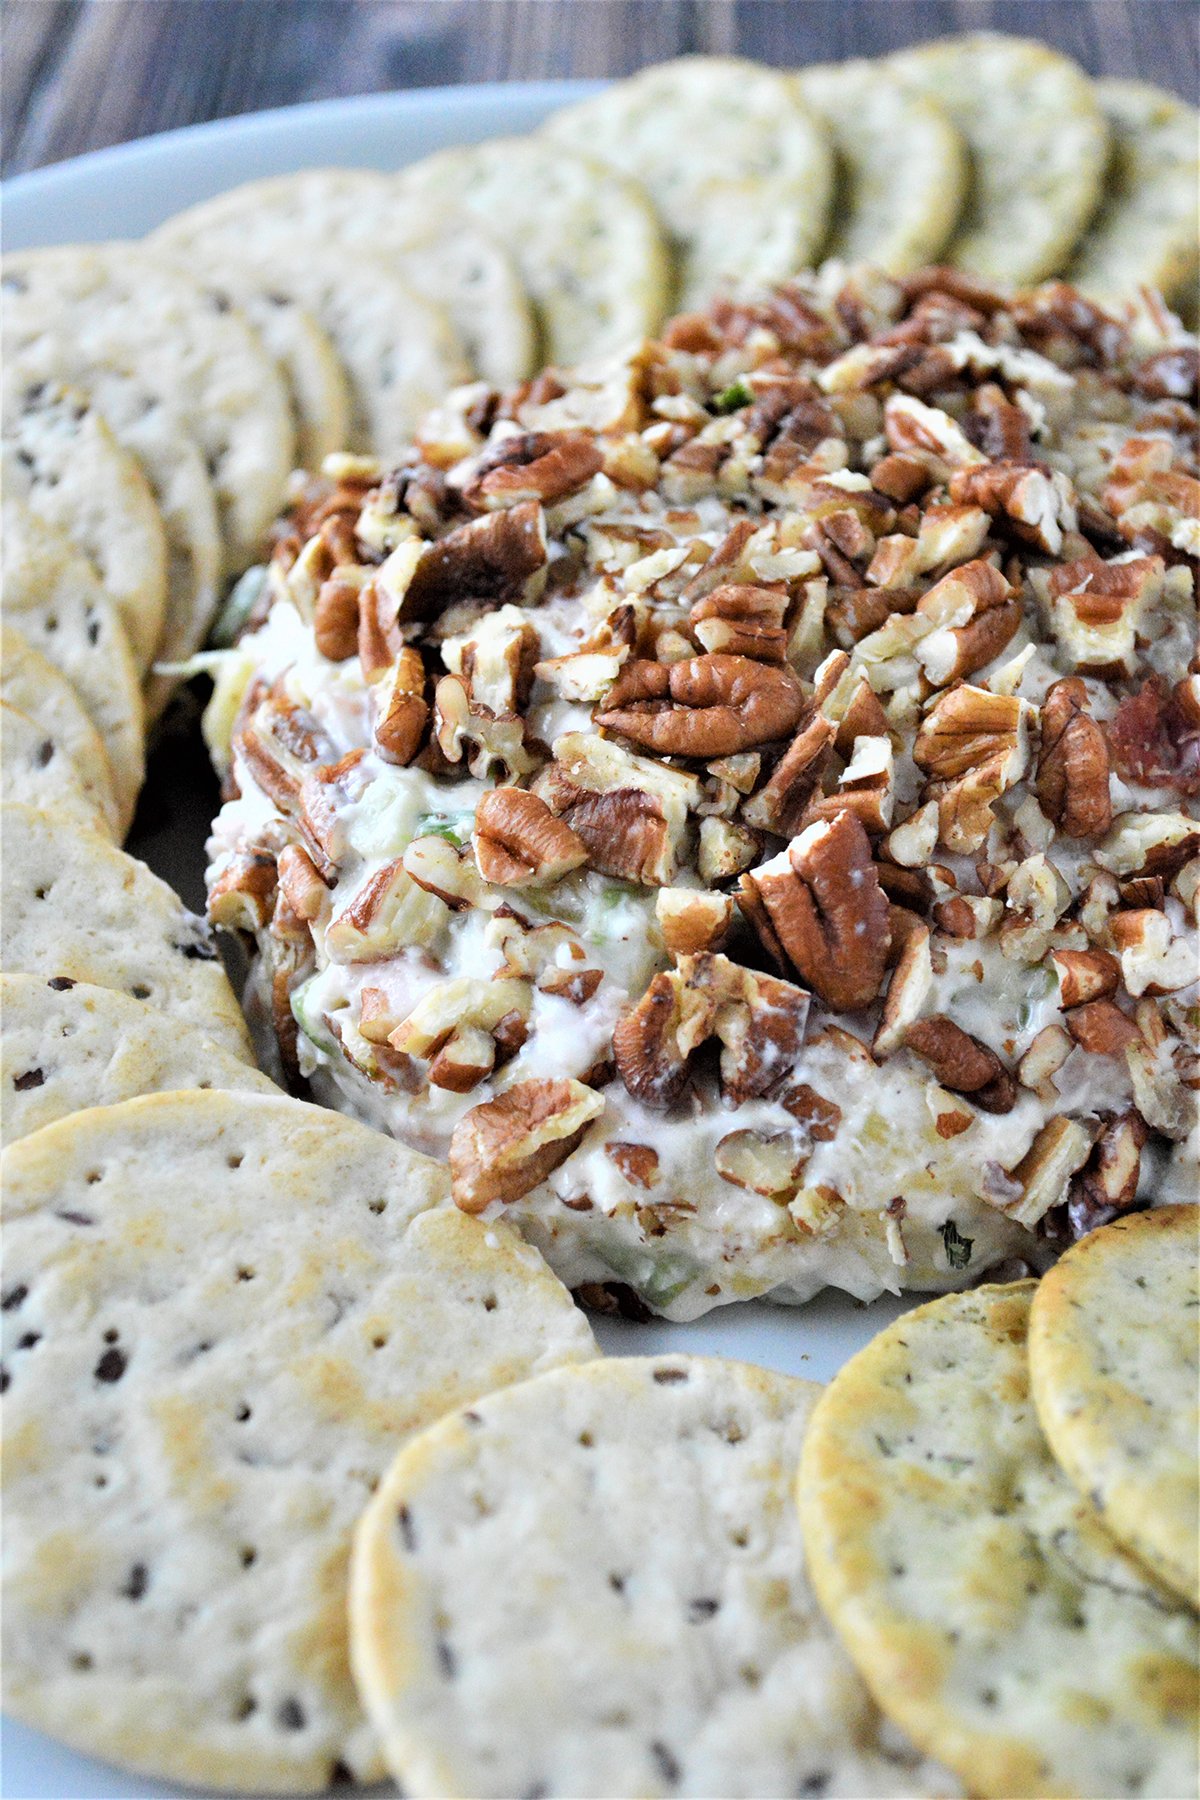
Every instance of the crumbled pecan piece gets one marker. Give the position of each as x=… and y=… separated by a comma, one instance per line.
x=1107, y=1184
x=707, y=706
x=1035, y=502
x=302, y=883
x=692, y=920
x=242, y=897
x=820, y=903
x=765, y=1163
x=401, y=710
x=907, y=992
x=1044, y=1172
x=494, y=745
x=962, y=1064
x=518, y=840
x=638, y=1163
x=505, y=1147
x=779, y=805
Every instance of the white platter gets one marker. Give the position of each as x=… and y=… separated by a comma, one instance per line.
x=124, y=192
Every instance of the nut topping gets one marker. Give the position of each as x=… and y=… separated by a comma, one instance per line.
x=706, y=706
x=518, y=840
x=962, y=1064
x=1072, y=770
x=505, y=1147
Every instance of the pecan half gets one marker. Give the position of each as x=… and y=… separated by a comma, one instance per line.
x=518, y=840
x=820, y=902
x=531, y=465
x=1072, y=770
x=494, y=558
x=505, y=1147
x=962, y=1064
x=741, y=620
x=706, y=706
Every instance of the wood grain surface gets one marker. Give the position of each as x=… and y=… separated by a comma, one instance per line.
x=78, y=74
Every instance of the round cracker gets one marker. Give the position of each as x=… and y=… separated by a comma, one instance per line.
x=593, y=1583
x=446, y=256
x=67, y=1048
x=77, y=909
x=35, y=768
x=119, y=306
x=1145, y=232
x=989, y=1611
x=149, y=427
x=1038, y=142
x=234, y=1333
x=585, y=238
x=61, y=457
x=316, y=384
x=54, y=597
x=32, y=684
x=1114, y=1352
x=902, y=166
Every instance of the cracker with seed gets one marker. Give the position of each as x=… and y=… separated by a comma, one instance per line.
x=32, y=684
x=116, y=305
x=902, y=167
x=1145, y=232
x=593, y=1583
x=989, y=1611
x=1114, y=1351
x=317, y=389
x=585, y=238
x=77, y=909
x=442, y=254
x=735, y=162
x=67, y=1048
x=60, y=456
x=34, y=768
x=219, y=1326
x=149, y=427
x=1038, y=142
x=53, y=596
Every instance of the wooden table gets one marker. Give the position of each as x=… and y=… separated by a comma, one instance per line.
x=78, y=74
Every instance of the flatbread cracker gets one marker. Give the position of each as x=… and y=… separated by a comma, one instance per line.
x=31, y=683
x=444, y=255
x=67, y=1048
x=902, y=166
x=1114, y=1352
x=60, y=456
x=53, y=596
x=593, y=1583
x=1145, y=231
x=990, y=1613
x=586, y=240
x=118, y=306
x=77, y=909
x=1038, y=142
x=35, y=768
x=738, y=166
x=234, y=1332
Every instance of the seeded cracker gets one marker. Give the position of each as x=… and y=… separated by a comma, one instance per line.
x=61, y=457
x=1038, y=142
x=902, y=166
x=990, y=1613
x=188, y=1450
x=54, y=597
x=443, y=254
x=1146, y=228
x=586, y=240
x=67, y=1048
x=593, y=1584
x=1114, y=1348
x=737, y=166
x=116, y=305
x=35, y=687
x=75, y=908
x=35, y=769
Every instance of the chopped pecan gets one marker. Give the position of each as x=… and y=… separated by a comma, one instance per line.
x=242, y=897
x=653, y=1040
x=998, y=427
x=1107, y=1184
x=500, y=556
x=907, y=992
x=692, y=920
x=1035, y=502
x=519, y=841
x=901, y=478
x=460, y=1014
x=1100, y=610
x=741, y=620
x=505, y=1147
x=1101, y=1028
x=1153, y=960
x=388, y=912
x=1043, y=1059
x=865, y=788
x=1044, y=1172
x=911, y=844
x=630, y=811
x=975, y=746
x=496, y=659
x=496, y=745
x=974, y=614
x=1156, y=843
x=1163, y=1097
x=1155, y=735
x=335, y=616
x=531, y=465
x=765, y=1163
x=725, y=849
x=638, y=1163
x=1072, y=770
x=382, y=605
x=439, y=867
x=706, y=706
x=302, y=883
x=819, y=902
x=1085, y=975
x=962, y=1064
x=550, y=956
x=929, y=435
x=401, y=710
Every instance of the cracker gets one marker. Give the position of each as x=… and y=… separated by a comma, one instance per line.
x=902, y=166
x=77, y=909
x=990, y=1613
x=35, y=768
x=593, y=1583
x=31, y=683
x=1114, y=1351
x=67, y=1048
x=234, y=1334
x=737, y=165
x=61, y=457
x=53, y=596
x=444, y=255
x=119, y=306
x=315, y=381
x=586, y=241
x=149, y=427
x=1145, y=231
x=1038, y=142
